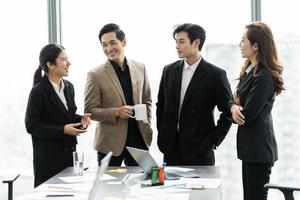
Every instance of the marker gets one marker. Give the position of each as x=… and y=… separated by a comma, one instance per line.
x=121, y=170
x=85, y=168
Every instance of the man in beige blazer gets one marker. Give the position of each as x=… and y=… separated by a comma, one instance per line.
x=111, y=90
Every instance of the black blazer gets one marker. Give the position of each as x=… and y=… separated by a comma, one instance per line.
x=255, y=139
x=46, y=116
x=209, y=87
x=45, y=119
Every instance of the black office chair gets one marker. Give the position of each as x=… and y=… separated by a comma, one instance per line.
x=10, y=182
x=287, y=191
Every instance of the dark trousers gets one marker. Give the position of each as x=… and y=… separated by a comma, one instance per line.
x=134, y=139
x=175, y=157
x=47, y=163
x=255, y=176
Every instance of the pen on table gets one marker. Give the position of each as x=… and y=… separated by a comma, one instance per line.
x=175, y=185
x=201, y=187
x=125, y=178
x=193, y=186
x=59, y=195
x=59, y=187
x=197, y=188
x=85, y=168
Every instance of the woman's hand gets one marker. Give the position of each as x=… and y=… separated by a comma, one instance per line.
x=86, y=120
x=237, y=115
x=72, y=129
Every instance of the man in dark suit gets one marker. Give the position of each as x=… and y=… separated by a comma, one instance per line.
x=189, y=91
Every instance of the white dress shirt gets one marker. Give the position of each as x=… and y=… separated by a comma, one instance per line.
x=249, y=69
x=60, y=92
x=187, y=74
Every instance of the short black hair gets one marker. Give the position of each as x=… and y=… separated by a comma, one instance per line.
x=111, y=27
x=194, y=32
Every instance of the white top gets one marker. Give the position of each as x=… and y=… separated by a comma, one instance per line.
x=249, y=69
x=187, y=74
x=60, y=92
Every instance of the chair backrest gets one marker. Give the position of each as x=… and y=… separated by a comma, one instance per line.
x=287, y=191
x=10, y=182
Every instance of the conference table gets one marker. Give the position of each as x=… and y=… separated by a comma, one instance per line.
x=65, y=185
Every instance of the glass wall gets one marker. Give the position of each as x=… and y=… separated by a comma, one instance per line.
x=148, y=26
x=23, y=33
x=283, y=20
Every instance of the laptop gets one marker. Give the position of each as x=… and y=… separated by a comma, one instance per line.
x=143, y=158
x=96, y=190
x=146, y=162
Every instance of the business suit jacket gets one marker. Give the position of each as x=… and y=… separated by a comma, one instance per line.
x=45, y=119
x=255, y=139
x=104, y=95
x=198, y=133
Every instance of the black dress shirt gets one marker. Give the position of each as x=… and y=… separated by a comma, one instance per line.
x=134, y=137
x=125, y=81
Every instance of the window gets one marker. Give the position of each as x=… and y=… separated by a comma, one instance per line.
x=282, y=19
x=148, y=26
x=23, y=33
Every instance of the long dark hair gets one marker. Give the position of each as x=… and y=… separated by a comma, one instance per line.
x=267, y=56
x=49, y=53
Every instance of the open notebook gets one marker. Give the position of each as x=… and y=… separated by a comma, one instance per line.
x=146, y=162
x=93, y=194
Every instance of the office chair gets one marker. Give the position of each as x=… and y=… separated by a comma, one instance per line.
x=287, y=191
x=10, y=186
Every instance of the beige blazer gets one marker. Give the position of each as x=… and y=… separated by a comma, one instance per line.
x=104, y=95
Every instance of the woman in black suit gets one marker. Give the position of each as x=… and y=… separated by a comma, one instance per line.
x=51, y=117
x=260, y=81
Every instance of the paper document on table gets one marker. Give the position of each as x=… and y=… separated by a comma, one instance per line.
x=80, y=187
x=77, y=191
x=174, y=173
x=76, y=179
x=171, y=196
x=182, y=169
x=181, y=185
x=200, y=183
x=38, y=195
x=192, y=184
x=137, y=190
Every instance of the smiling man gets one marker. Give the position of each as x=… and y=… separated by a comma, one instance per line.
x=111, y=90
x=189, y=91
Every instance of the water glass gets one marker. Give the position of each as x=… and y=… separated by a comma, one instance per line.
x=78, y=158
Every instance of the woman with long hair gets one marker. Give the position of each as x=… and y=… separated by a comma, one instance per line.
x=51, y=117
x=260, y=82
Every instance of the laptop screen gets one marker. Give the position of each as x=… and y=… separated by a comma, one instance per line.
x=143, y=158
x=93, y=194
